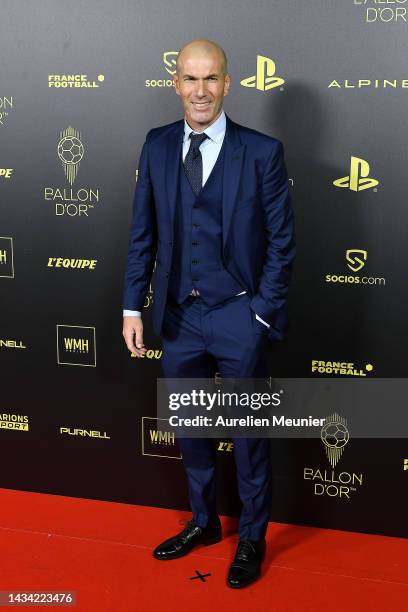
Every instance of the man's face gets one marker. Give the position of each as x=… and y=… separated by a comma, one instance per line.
x=202, y=86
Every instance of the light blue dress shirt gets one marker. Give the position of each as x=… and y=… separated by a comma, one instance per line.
x=209, y=149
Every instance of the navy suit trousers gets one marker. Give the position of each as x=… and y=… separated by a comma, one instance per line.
x=199, y=340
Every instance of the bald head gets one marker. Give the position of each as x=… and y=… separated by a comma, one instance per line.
x=201, y=47
x=201, y=80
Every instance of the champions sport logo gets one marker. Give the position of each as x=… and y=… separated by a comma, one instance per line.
x=10, y=420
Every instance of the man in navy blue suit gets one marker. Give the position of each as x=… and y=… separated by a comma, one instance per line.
x=212, y=210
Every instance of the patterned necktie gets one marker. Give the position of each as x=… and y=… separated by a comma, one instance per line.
x=193, y=162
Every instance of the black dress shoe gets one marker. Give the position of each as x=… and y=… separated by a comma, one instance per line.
x=191, y=536
x=246, y=566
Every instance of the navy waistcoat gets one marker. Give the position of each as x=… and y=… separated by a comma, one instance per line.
x=197, y=252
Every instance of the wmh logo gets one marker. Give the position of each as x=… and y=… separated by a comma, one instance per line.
x=265, y=78
x=6, y=257
x=158, y=440
x=76, y=345
x=161, y=437
x=358, y=179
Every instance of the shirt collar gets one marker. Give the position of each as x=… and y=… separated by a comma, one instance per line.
x=215, y=131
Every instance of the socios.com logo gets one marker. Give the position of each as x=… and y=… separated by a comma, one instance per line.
x=356, y=259
x=358, y=179
x=265, y=78
x=170, y=59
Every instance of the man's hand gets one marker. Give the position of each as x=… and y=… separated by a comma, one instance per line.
x=133, y=335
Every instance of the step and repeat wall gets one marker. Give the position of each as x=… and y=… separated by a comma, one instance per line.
x=80, y=85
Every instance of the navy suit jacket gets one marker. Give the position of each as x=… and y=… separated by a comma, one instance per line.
x=257, y=221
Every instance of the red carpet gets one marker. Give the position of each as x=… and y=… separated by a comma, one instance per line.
x=102, y=551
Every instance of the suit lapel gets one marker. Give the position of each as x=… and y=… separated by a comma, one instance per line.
x=233, y=160
x=173, y=152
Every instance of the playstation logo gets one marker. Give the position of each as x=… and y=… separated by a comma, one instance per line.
x=358, y=179
x=356, y=259
x=264, y=78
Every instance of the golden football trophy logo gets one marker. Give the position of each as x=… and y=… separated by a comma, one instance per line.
x=264, y=78
x=70, y=151
x=358, y=179
x=356, y=259
x=335, y=436
x=169, y=59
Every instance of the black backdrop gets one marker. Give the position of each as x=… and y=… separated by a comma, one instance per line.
x=80, y=85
